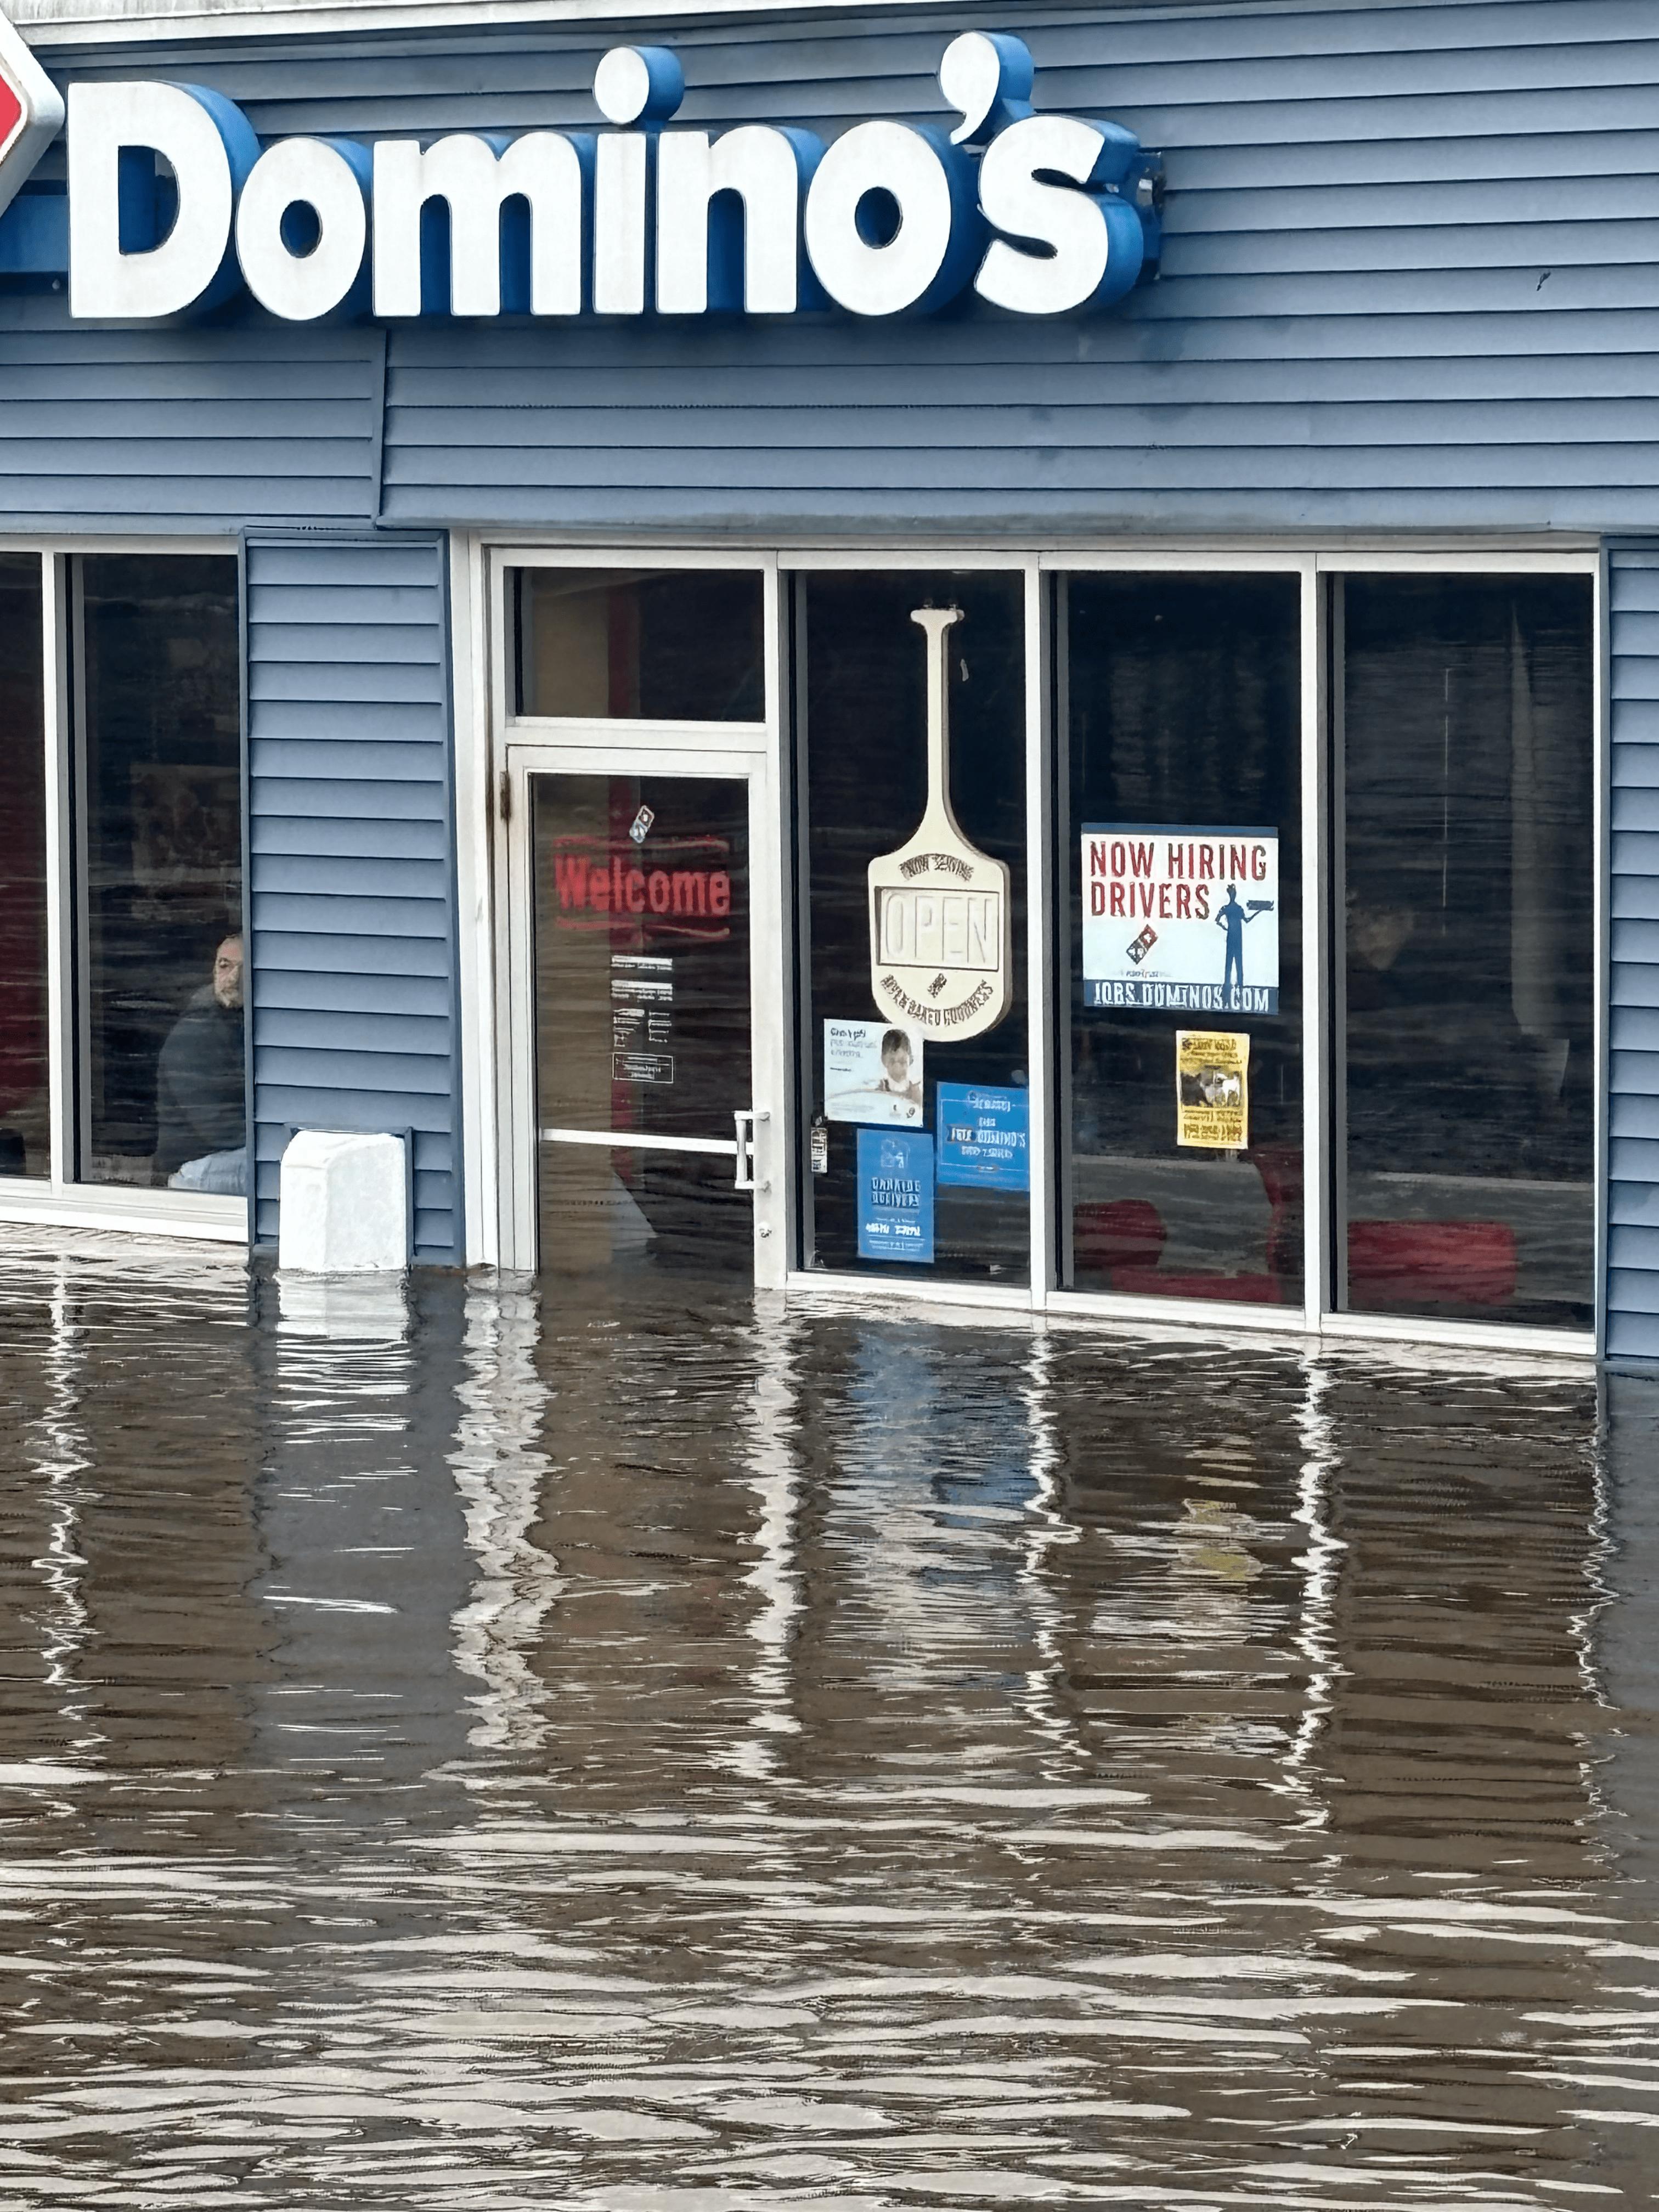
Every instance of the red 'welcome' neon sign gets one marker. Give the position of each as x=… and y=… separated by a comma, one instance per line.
x=683, y=890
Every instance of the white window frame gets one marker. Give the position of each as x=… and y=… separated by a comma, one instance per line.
x=1575, y=1344
x=1218, y=561
x=1317, y=1316
x=1032, y=1295
x=58, y=1198
x=487, y=731
x=498, y=1034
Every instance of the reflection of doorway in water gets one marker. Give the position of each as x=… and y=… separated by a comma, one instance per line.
x=642, y=1022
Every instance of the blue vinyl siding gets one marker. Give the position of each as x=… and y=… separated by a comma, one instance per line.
x=1633, y=1027
x=351, y=857
x=179, y=429
x=1397, y=237
x=1410, y=279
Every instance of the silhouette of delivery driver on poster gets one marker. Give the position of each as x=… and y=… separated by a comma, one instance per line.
x=1232, y=918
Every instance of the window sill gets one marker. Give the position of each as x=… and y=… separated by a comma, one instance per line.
x=110, y=1206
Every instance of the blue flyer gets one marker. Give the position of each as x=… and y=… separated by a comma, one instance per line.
x=896, y=1195
x=984, y=1136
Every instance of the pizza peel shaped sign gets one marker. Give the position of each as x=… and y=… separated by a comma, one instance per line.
x=31, y=112
x=938, y=907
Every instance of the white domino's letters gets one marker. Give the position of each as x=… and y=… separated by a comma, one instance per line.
x=1040, y=214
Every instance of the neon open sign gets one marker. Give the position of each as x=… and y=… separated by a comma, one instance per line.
x=1039, y=214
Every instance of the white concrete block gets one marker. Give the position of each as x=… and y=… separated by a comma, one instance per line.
x=345, y=1205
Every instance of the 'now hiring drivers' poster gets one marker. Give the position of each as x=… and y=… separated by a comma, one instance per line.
x=1181, y=918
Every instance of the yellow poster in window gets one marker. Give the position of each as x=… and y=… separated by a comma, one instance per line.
x=1212, y=1089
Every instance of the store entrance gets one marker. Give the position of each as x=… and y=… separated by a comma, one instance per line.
x=645, y=1112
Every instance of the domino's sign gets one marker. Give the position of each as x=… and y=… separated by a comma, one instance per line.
x=1038, y=213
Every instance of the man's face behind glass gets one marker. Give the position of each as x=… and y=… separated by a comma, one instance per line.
x=228, y=973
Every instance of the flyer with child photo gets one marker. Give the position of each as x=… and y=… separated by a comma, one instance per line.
x=872, y=1073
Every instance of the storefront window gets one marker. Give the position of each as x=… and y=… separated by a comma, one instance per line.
x=1182, y=1163
x=677, y=645
x=911, y=880
x=160, y=872
x=1465, y=1053
x=25, y=1131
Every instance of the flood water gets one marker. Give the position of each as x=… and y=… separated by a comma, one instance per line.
x=657, y=1752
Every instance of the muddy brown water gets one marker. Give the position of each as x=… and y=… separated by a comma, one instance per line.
x=648, y=1750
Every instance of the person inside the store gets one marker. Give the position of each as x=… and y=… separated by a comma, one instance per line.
x=200, y=1098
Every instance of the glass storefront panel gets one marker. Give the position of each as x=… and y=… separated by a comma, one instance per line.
x=1181, y=1159
x=671, y=644
x=1459, y=1149
x=159, y=814
x=911, y=883
x=1464, y=1051
x=642, y=1020
x=24, y=1121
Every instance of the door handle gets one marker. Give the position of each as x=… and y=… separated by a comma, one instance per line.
x=745, y=1118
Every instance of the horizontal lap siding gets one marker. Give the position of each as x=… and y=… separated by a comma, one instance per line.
x=182, y=425
x=1633, y=1028
x=1398, y=239
x=1410, y=279
x=182, y=428
x=351, y=848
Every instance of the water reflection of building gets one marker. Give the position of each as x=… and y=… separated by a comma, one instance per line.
x=362, y=1530
x=501, y=1466
x=1626, y=1630
x=133, y=1448
x=625, y=1524
x=928, y=1512
x=682, y=1713
x=1465, y=1705
x=1180, y=1597
x=1341, y=1581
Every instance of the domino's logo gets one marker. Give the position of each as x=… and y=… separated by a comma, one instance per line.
x=1038, y=213
x=31, y=112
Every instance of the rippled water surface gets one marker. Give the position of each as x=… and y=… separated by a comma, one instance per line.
x=547, y=1748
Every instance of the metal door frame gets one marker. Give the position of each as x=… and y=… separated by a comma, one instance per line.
x=646, y=749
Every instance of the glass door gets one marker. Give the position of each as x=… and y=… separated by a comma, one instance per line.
x=645, y=911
